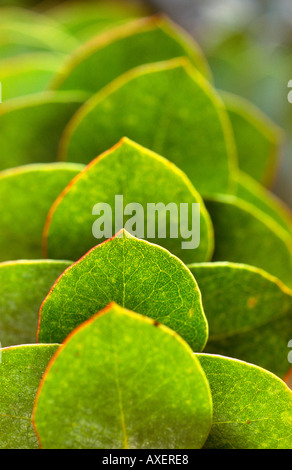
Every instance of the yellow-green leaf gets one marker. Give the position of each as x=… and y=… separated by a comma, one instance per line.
x=141, y=177
x=26, y=195
x=244, y=234
x=252, y=408
x=135, y=274
x=31, y=126
x=21, y=370
x=249, y=313
x=23, y=287
x=167, y=107
x=121, y=381
x=111, y=54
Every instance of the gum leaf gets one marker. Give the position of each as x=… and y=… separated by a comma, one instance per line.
x=141, y=177
x=23, y=287
x=114, y=357
x=253, y=192
x=86, y=19
x=106, y=57
x=257, y=138
x=190, y=127
x=32, y=190
x=21, y=370
x=135, y=274
x=249, y=314
x=18, y=37
x=252, y=408
x=30, y=73
x=31, y=126
x=244, y=234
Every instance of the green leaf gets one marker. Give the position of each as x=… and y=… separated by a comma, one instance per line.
x=141, y=177
x=131, y=384
x=135, y=274
x=23, y=287
x=244, y=234
x=31, y=126
x=27, y=74
x=21, y=370
x=140, y=42
x=252, y=407
x=190, y=126
x=253, y=192
x=18, y=37
x=257, y=138
x=86, y=19
x=26, y=195
x=249, y=313
x=12, y=14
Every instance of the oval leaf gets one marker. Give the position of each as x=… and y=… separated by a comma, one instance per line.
x=31, y=126
x=31, y=189
x=135, y=274
x=258, y=139
x=253, y=192
x=23, y=287
x=249, y=313
x=114, y=357
x=140, y=177
x=18, y=37
x=252, y=407
x=86, y=19
x=244, y=234
x=143, y=41
x=189, y=126
x=21, y=370
x=30, y=73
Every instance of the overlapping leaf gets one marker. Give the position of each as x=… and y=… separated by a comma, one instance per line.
x=21, y=369
x=136, y=274
x=19, y=38
x=249, y=313
x=23, y=287
x=140, y=177
x=31, y=126
x=244, y=234
x=32, y=189
x=106, y=57
x=257, y=138
x=131, y=384
x=167, y=107
x=253, y=192
x=86, y=19
x=252, y=408
x=30, y=73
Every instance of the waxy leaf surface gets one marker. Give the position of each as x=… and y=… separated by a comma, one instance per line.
x=106, y=57
x=131, y=384
x=21, y=370
x=244, y=234
x=252, y=408
x=249, y=314
x=23, y=287
x=167, y=107
x=31, y=126
x=135, y=274
x=32, y=190
x=141, y=177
